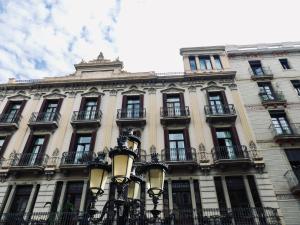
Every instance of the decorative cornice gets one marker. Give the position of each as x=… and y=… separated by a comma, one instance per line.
x=213, y=88
x=54, y=95
x=133, y=92
x=19, y=97
x=172, y=89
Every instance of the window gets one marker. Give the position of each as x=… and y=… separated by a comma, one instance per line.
x=256, y=68
x=82, y=147
x=193, y=64
x=49, y=109
x=205, y=63
x=12, y=111
x=280, y=123
x=296, y=84
x=132, y=106
x=182, y=202
x=285, y=64
x=293, y=156
x=34, y=150
x=89, y=108
x=266, y=91
x=177, y=145
x=73, y=197
x=21, y=199
x=217, y=102
x=173, y=105
x=218, y=62
x=3, y=144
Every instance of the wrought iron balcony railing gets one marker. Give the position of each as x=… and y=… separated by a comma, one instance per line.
x=94, y=115
x=238, y=216
x=6, y=118
x=29, y=160
x=76, y=158
x=274, y=97
x=293, y=179
x=260, y=71
x=291, y=129
x=235, y=152
x=131, y=114
x=174, y=112
x=219, y=110
x=179, y=154
x=44, y=117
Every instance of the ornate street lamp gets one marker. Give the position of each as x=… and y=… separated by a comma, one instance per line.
x=123, y=157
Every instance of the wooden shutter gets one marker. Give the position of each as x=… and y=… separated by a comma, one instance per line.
x=46, y=140
x=82, y=104
x=181, y=98
x=7, y=106
x=142, y=106
x=93, y=140
x=4, y=146
x=59, y=104
x=235, y=136
x=214, y=136
x=164, y=98
x=124, y=102
x=72, y=142
x=188, y=151
x=43, y=106
x=224, y=99
x=167, y=144
x=23, y=103
x=98, y=103
x=28, y=143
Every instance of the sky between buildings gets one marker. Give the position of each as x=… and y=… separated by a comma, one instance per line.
x=40, y=38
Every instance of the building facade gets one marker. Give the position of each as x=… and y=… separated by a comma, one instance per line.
x=220, y=171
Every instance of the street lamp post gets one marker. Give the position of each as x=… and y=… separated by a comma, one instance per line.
x=123, y=175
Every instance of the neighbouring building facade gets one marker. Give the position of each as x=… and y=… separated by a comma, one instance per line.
x=207, y=124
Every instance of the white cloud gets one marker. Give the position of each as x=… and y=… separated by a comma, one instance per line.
x=146, y=34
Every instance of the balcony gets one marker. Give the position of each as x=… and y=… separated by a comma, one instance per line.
x=131, y=117
x=286, y=134
x=220, y=113
x=236, y=155
x=293, y=180
x=175, y=115
x=28, y=162
x=178, y=158
x=86, y=119
x=76, y=160
x=9, y=122
x=275, y=99
x=44, y=121
x=261, y=73
x=207, y=216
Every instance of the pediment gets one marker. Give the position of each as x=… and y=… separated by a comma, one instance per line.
x=93, y=92
x=54, y=95
x=213, y=88
x=172, y=90
x=19, y=96
x=133, y=92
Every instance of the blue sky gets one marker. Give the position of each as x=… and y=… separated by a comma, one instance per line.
x=41, y=38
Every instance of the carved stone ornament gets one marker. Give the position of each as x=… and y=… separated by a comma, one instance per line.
x=172, y=89
x=152, y=149
x=113, y=92
x=92, y=92
x=133, y=91
x=55, y=152
x=151, y=91
x=19, y=96
x=54, y=94
x=233, y=86
x=212, y=86
x=192, y=88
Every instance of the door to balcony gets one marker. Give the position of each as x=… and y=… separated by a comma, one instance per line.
x=89, y=110
x=266, y=92
x=133, y=107
x=226, y=144
x=216, y=102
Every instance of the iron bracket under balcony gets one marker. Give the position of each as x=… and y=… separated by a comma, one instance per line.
x=86, y=119
x=180, y=158
x=44, y=121
x=175, y=116
x=9, y=123
x=76, y=161
x=233, y=156
x=220, y=113
x=286, y=135
x=135, y=118
x=274, y=100
x=28, y=163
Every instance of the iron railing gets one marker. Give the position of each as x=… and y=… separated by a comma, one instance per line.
x=44, y=117
x=235, y=152
x=175, y=111
x=260, y=71
x=237, y=216
x=77, y=158
x=93, y=115
x=29, y=160
x=131, y=114
x=217, y=110
x=7, y=118
x=178, y=154
x=274, y=97
x=291, y=129
x=293, y=178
